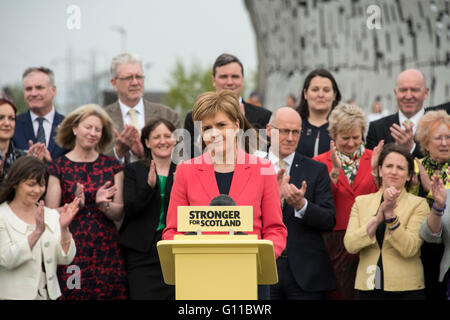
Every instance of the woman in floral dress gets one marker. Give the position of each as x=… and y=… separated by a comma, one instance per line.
x=98, y=181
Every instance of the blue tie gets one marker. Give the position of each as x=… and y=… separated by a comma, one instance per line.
x=40, y=133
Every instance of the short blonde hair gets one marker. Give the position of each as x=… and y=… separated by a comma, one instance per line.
x=65, y=136
x=209, y=104
x=430, y=121
x=345, y=117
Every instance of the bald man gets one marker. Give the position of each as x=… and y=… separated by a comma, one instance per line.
x=304, y=268
x=410, y=92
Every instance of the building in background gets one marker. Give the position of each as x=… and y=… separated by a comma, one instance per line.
x=365, y=44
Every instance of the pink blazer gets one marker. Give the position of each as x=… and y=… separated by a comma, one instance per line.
x=254, y=183
x=344, y=194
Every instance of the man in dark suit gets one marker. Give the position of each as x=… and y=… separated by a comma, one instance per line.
x=305, y=271
x=39, y=124
x=410, y=92
x=228, y=73
x=444, y=106
x=131, y=112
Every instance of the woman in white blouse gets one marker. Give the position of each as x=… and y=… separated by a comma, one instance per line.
x=33, y=238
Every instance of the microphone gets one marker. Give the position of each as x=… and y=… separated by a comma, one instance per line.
x=222, y=200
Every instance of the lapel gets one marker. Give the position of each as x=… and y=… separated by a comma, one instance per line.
x=372, y=208
x=147, y=111
x=206, y=176
x=364, y=169
x=15, y=222
x=241, y=175
x=116, y=116
x=55, y=124
x=391, y=120
x=295, y=172
x=27, y=128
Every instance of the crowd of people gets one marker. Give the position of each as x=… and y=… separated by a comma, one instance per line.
x=355, y=209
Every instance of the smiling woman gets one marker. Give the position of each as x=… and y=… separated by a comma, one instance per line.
x=433, y=134
x=384, y=229
x=33, y=238
x=349, y=165
x=319, y=96
x=8, y=152
x=97, y=181
x=147, y=188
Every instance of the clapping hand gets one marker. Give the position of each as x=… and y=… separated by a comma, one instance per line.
x=295, y=197
x=438, y=190
x=376, y=155
x=68, y=212
x=106, y=193
x=337, y=164
x=403, y=137
x=39, y=150
x=390, y=196
x=425, y=180
x=128, y=139
x=79, y=194
x=39, y=217
x=151, y=180
x=282, y=179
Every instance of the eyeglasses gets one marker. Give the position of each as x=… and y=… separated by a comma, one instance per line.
x=286, y=132
x=131, y=78
x=442, y=138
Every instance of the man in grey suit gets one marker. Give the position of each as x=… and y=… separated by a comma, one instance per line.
x=131, y=111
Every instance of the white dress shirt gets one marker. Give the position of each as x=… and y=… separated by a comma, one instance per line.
x=47, y=124
x=139, y=108
x=140, y=115
x=414, y=119
x=288, y=160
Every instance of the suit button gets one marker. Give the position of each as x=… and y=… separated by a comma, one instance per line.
x=51, y=277
x=49, y=260
x=47, y=244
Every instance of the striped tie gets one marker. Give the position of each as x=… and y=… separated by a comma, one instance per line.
x=40, y=133
x=133, y=119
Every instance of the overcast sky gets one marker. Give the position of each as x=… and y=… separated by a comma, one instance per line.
x=35, y=33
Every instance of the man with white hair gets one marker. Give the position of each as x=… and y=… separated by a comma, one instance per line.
x=131, y=111
x=304, y=268
x=410, y=92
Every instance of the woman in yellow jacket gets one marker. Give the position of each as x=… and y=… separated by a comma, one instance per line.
x=384, y=229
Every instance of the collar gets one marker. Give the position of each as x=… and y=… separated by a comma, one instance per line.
x=415, y=118
x=205, y=159
x=49, y=116
x=20, y=225
x=274, y=159
x=124, y=108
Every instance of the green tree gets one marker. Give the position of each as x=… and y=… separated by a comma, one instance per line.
x=186, y=85
x=15, y=92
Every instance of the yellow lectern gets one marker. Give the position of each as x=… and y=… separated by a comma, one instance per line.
x=217, y=267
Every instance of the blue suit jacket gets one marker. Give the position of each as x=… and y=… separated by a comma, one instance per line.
x=307, y=254
x=24, y=132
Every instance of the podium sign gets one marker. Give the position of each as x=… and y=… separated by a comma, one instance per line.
x=215, y=218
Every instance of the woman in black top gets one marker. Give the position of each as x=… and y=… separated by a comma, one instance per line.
x=319, y=96
x=147, y=187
